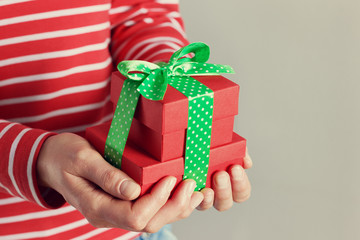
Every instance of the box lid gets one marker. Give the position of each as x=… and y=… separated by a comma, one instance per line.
x=171, y=113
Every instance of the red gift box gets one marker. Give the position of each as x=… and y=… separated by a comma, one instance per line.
x=146, y=170
x=161, y=131
x=168, y=146
x=171, y=113
x=211, y=171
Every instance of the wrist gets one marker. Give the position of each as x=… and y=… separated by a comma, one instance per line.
x=42, y=163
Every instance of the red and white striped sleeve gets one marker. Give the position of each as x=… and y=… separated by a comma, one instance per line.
x=19, y=148
x=65, y=84
x=149, y=30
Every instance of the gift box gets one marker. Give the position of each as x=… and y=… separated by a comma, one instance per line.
x=159, y=127
x=171, y=113
x=164, y=147
x=168, y=99
x=211, y=171
x=146, y=170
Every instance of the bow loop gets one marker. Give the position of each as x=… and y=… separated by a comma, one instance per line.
x=136, y=70
x=154, y=77
x=200, y=50
x=154, y=85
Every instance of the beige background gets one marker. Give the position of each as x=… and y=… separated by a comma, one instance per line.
x=298, y=64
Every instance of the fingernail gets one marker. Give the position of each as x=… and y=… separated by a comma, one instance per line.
x=208, y=196
x=191, y=187
x=221, y=181
x=129, y=188
x=247, y=159
x=171, y=184
x=237, y=173
x=196, y=199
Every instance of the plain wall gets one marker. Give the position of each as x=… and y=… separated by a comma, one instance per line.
x=298, y=65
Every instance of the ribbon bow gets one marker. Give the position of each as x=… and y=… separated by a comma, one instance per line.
x=154, y=78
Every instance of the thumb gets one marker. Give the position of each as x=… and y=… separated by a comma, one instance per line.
x=110, y=179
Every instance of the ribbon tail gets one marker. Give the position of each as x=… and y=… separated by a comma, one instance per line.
x=121, y=123
x=198, y=133
x=195, y=68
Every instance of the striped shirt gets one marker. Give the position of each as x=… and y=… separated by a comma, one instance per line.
x=55, y=61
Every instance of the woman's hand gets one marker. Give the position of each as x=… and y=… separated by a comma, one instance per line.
x=103, y=194
x=228, y=187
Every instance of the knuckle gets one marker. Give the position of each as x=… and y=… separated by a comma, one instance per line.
x=90, y=211
x=186, y=214
x=160, y=198
x=151, y=229
x=184, y=210
x=136, y=223
x=80, y=157
x=182, y=205
x=108, y=178
x=82, y=152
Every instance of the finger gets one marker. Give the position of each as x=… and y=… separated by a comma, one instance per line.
x=109, y=178
x=196, y=199
x=181, y=204
x=92, y=202
x=208, y=199
x=240, y=183
x=247, y=160
x=102, y=210
x=148, y=205
x=222, y=188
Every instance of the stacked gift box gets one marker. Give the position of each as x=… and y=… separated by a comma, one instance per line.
x=156, y=141
x=172, y=118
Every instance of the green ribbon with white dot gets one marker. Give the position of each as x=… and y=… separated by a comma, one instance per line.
x=151, y=80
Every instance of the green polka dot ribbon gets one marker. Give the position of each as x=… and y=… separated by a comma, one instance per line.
x=151, y=80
